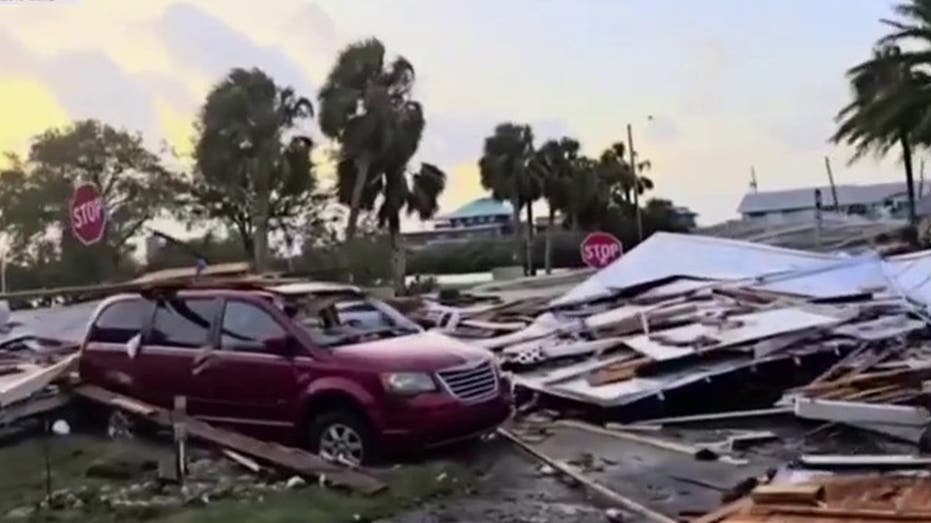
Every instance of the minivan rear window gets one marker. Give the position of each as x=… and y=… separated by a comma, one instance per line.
x=120, y=321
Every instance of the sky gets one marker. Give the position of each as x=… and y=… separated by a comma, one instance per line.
x=711, y=88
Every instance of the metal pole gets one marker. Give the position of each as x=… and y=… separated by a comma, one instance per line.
x=827, y=165
x=633, y=166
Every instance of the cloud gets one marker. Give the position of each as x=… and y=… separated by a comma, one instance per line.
x=87, y=84
x=206, y=45
x=451, y=140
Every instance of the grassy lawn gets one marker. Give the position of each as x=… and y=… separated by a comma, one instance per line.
x=22, y=486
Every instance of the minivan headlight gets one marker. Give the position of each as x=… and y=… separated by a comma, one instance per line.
x=408, y=382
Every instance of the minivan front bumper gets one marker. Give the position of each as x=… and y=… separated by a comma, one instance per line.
x=438, y=419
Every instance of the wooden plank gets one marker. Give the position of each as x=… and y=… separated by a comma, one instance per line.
x=725, y=511
x=660, y=443
x=606, y=494
x=842, y=513
x=246, y=462
x=840, y=367
x=20, y=386
x=617, y=372
x=739, y=414
x=288, y=458
x=788, y=494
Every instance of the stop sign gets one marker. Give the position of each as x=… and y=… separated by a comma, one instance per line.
x=88, y=215
x=599, y=249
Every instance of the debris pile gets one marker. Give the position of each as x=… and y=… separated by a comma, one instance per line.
x=689, y=324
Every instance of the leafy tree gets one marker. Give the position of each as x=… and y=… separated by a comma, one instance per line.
x=35, y=197
x=366, y=105
x=890, y=107
x=505, y=171
x=254, y=170
x=556, y=163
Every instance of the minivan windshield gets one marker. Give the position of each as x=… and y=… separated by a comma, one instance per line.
x=335, y=319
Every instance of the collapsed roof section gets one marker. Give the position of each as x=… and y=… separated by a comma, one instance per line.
x=665, y=256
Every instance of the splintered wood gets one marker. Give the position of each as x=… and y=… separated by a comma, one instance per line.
x=840, y=500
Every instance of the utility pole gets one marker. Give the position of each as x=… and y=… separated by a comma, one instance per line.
x=818, y=222
x=827, y=165
x=753, y=184
x=633, y=165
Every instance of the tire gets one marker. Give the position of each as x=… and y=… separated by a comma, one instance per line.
x=342, y=432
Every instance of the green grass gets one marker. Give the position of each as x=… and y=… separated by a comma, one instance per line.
x=22, y=484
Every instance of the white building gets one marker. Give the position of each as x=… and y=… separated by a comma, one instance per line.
x=875, y=201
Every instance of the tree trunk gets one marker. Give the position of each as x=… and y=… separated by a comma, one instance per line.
x=531, y=271
x=909, y=180
x=260, y=234
x=362, y=169
x=548, y=248
x=518, y=237
x=398, y=256
x=260, y=216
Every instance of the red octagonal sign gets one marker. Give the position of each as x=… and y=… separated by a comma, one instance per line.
x=88, y=215
x=600, y=249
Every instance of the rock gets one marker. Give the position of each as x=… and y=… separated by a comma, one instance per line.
x=295, y=482
x=614, y=515
x=546, y=470
x=20, y=513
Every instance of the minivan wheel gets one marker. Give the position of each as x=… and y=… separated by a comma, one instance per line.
x=342, y=436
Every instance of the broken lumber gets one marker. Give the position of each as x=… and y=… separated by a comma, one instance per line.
x=849, y=411
x=17, y=387
x=842, y=513
x=288, y=458
x=606, y=494
x=660, y=443
x=737, y=414
x=787, y=494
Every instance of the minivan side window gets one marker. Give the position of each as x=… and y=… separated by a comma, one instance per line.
x=120, y=321
x=247, y=328
x=182, y=323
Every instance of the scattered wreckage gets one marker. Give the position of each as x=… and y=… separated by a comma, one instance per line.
x=689, y=329
x=731, y=371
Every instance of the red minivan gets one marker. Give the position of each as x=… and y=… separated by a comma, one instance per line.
x=322, y=365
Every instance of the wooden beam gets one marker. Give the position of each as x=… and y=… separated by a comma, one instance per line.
x=788, y=494
x=288, y=458
x=842, y=513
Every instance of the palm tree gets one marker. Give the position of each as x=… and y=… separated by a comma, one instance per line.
x=366, y=106
x=417, y=194
x=504, y=168
x=890, y=106
x=623, y=184
x=554, y=163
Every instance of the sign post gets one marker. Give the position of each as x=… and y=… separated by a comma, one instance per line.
x=88, y=214
x=600, y=249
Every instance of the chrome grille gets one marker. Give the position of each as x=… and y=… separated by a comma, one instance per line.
x=471, y=383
